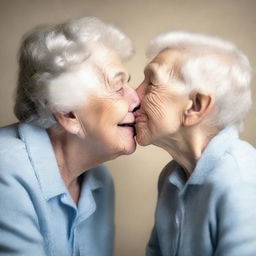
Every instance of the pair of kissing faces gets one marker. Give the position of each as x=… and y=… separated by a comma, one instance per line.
x=113, y=115
x=115, y=112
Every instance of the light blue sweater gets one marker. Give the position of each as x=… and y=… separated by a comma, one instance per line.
x=213, y=213
x=37, y=214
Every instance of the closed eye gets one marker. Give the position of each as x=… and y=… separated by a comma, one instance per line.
x=120, y=89
x=151, y=82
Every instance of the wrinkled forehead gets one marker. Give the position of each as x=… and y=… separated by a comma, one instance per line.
x=168, y=61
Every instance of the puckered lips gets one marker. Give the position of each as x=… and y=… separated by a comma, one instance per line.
x=138, y=117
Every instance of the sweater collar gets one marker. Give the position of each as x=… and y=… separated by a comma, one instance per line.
x=210, y=157
x=43, y=160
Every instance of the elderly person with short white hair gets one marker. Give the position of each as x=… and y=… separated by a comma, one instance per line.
x=194, y=98
x=75, y=109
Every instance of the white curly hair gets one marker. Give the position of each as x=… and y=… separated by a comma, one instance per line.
x=49, y=51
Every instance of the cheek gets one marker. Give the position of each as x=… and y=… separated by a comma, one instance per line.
x=114, y=113
x=121, y=109
x=163, y=110
x=95, y=115
x=155, y=106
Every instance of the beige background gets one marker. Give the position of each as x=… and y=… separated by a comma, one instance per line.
x=136, y=175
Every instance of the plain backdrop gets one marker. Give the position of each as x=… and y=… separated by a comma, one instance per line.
x=135, y=175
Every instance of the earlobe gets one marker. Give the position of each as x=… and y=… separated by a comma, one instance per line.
x=199, y=106
x=68, y=121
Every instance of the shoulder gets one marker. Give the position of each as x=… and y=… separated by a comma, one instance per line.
x=232, y=181
x=9, y=139
x=15, y=164
x=13, y=153
x=235, y=185
x=244, y=156
x=237, y=166
x=16, y=175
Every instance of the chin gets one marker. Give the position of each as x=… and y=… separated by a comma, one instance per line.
x=142, y=136
x=143, y=143
x=131, y=149
x=127, y=149
x=142, y=140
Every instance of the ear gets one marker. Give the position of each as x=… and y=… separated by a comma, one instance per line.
x=68, y=121
x=199, y=106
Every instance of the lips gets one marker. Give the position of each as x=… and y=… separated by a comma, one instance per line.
x=129, y=121
x=129, y=125
x=138, y=117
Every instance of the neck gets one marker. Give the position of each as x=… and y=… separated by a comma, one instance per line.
x=187, y=146
x=73, y=158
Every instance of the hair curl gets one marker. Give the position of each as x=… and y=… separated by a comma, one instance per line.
x=49, y=51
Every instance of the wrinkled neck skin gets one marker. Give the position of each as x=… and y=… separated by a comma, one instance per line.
x=73, y=158
x=187, y=145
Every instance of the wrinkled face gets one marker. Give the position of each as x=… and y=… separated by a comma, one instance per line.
x=163, y=100
x=107, y=116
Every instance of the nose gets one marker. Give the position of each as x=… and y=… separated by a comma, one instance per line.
x=133, y=99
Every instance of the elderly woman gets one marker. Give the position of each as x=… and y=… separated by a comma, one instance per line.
x=76, y=111
x=194, y=99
